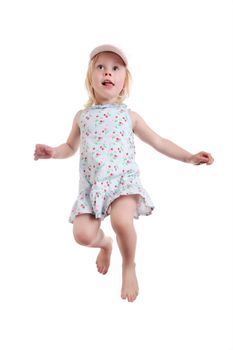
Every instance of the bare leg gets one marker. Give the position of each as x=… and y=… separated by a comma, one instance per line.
x=87, y=232
x=127, y=246
x=104, y=256
x=122, y=221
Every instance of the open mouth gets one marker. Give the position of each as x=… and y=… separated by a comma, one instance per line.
x=107, y=83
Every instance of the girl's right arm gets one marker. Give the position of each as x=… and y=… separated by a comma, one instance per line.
x=65, y=150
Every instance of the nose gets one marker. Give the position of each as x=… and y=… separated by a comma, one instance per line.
x=106, y=74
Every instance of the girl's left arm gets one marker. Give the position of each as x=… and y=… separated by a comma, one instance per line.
x=165, y=146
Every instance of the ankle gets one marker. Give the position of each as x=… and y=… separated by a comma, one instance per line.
x=107, y=243
x=129, y=264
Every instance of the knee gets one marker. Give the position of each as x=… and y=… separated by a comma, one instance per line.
x=121, y=225
x=83, y=236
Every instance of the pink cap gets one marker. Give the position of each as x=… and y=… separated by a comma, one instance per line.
x=109, y=48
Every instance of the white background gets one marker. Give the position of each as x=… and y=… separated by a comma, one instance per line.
x=180, y=55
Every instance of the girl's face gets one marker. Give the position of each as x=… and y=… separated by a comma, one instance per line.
x=108, y=77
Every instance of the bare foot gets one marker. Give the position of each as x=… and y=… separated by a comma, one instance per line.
x=129, y=283
x=104, y=256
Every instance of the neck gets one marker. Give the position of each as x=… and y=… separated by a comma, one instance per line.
x=101, y=101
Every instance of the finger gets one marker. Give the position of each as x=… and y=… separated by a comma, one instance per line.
x=205, y=158
x=205, y=155
x=211, y=160
x=41, y=147
x=43, y=156
x=200, y=161
x=41, y=153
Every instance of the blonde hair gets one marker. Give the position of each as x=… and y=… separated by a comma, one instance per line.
x=91, y=93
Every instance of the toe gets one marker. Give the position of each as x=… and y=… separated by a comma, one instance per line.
x=105, y=270
x=134, y=297
x=123, y=296
x=130, y=298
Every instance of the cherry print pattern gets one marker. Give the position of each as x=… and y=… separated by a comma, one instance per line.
x=107, y=165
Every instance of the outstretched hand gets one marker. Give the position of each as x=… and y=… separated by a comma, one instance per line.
x=43, y=152
x=201, y=158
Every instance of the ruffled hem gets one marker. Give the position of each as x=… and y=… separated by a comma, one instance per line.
x=98, y=203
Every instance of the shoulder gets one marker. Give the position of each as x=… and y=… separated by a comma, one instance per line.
x=77, y=117
x=134, y=118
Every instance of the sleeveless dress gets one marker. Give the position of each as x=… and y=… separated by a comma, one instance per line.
x=107, y=166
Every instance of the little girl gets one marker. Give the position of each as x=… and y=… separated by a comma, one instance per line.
x=109, y=181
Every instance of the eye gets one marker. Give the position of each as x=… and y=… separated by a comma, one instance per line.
x=115, y=68
x=100, y=66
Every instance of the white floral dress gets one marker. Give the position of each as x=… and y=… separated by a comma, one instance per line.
x=107, y=164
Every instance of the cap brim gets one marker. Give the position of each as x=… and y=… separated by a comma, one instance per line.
x=109, y=48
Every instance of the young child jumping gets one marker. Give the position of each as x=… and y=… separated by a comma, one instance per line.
x=109, y=182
